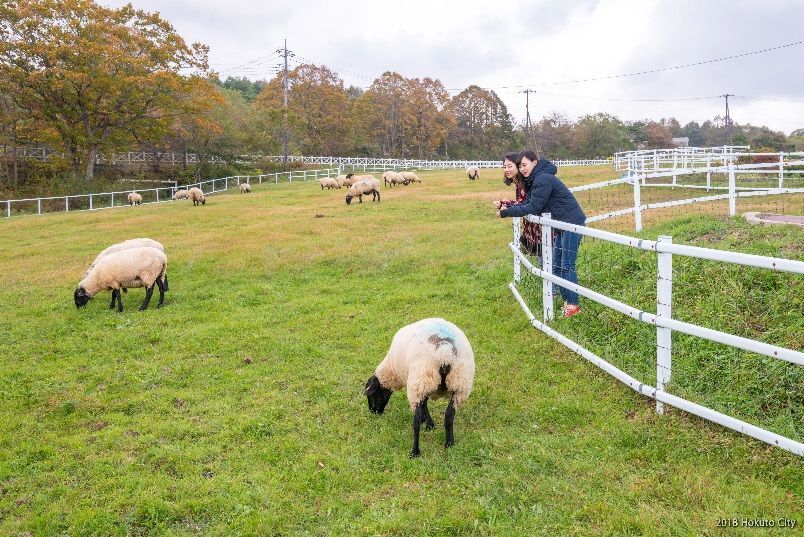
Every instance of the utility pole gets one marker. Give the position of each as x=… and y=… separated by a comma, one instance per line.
x=285, y=134
x=727, y=125
x=529, y=126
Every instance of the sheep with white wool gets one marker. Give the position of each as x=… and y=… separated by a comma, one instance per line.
x=135, y=267
x=391, y=178
x=340, y=180
x=329, y=183
x=411, y=177
x=245, y=188
x=197, y=195
x=364, y=187
x=429, y=358
x=352, y=178
x=134, y=198
x=141, y=242
x=473, y=172
x=181, y=194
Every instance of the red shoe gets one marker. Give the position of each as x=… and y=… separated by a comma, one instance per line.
x=571, y=309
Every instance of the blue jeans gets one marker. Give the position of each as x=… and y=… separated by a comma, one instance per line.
x=565, y=252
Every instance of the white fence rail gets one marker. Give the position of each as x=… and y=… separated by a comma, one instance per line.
x=665, y=324
x=109, y=200
x=171, y=158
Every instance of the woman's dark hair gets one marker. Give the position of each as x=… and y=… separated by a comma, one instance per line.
x=528, y=154
x=516, y=158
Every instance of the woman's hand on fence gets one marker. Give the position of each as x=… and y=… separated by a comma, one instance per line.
x=498, y=205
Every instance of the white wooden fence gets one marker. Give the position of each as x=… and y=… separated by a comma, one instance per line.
x=109, y=200
x=665, y=324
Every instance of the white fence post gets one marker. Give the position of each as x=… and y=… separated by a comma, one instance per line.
x=8, y=209
x=517, y=262
x=732, y=191
x=675, y=165
x=547, y=266
x=90, y=202
x=664, y=308
x=38, y=205
x=708, y=173
x=112, y=199
x=66, y=203
x=637, y=204
x=781, y=169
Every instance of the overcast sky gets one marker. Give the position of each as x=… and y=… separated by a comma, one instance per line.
x=504, y=45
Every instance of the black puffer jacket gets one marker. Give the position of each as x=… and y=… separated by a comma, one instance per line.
x=547, y=194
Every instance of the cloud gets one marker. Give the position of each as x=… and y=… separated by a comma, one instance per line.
x=511, y=43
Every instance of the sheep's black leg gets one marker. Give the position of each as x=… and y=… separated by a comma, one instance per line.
x=161, y=292
x=148, y=292
x=449, y=418
x=429, y=424
x=378, y=196
x=418, y=418
x=119, y=302
x=114, y=297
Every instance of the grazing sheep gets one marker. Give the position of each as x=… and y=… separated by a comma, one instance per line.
x=127, y=245
x=245, y=188
x=392, y=178
x=181, y=195
x=473, y=172
x=329, y=183
x=197, y=195
x=351, y=179
x=431, y=358
x=340, y=180
x=411, y=177
x=134, y=198
x=135, y=267
x=365, y=186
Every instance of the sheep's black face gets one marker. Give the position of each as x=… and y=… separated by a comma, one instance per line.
x=377, y=395
x=81, y=297
x=204, y=201
x=348, y=199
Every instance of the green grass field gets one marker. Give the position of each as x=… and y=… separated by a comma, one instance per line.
x=237, y=408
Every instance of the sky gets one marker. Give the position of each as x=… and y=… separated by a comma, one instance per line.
x=542, y=45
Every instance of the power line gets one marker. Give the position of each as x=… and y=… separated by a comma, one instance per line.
x=649, y=71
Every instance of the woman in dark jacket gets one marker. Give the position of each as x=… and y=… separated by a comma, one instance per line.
x=531, y=237
x=547, y=194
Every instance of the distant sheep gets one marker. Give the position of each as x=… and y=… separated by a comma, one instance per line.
x=135, y=267
x=181, y=195
x=391, y=178
x=134, y=198
x=329, y=183
x=473, y=172
x=352, y=178
x=430, y=358
x=245, y=188
x=364, y=186
x=411, y=177
x=197, y=195
x=340, y=179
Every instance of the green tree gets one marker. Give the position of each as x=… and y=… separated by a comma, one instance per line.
x=483, y=126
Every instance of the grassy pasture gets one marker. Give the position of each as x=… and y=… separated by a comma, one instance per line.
x=236, y=409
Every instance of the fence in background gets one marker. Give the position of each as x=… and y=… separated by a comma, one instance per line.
x=109, y=200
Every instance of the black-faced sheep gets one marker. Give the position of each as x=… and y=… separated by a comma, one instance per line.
x=391, y=178
x=410, y=177
x=197, y=195
x=430, y=358
x=365, y=186
x=134, y=198
x=329, y=183
x=135, y=267
x=352, y=178
x=181, y=195
x=245, y=188
x=473, y=172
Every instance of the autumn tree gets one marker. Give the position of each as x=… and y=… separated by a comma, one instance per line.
x=94, y=74
x=317, y=109
x=483, y=126
x=426, y=119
